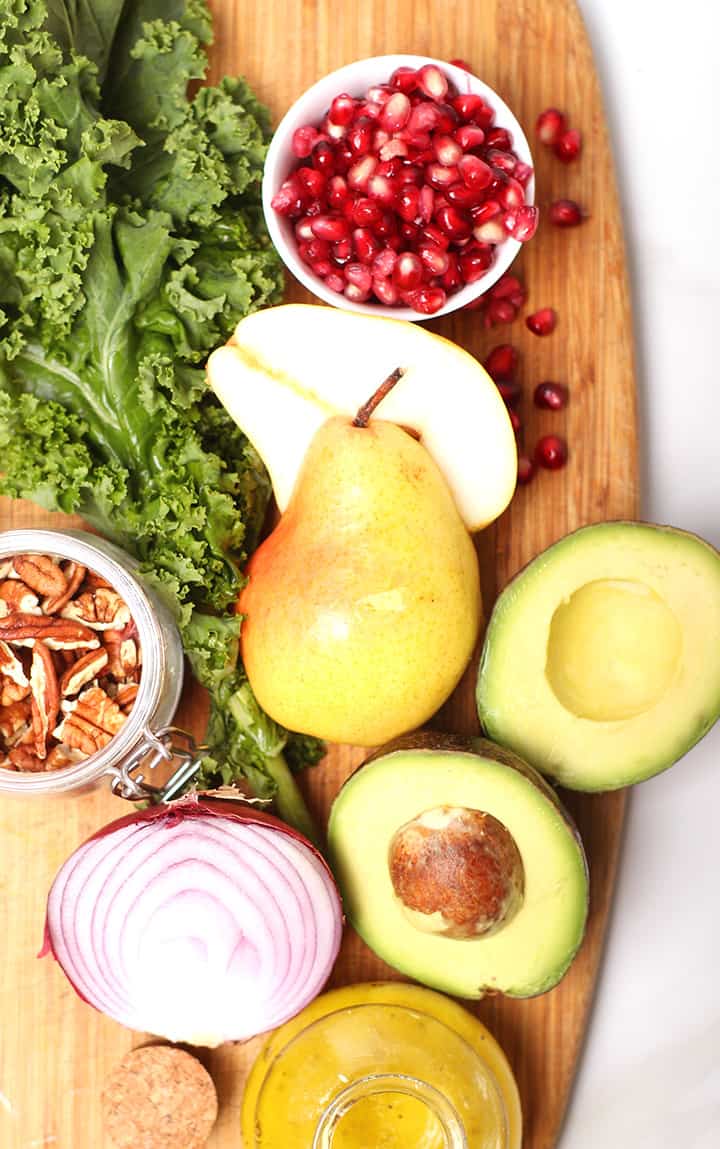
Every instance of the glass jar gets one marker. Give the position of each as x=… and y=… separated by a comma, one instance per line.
x=145, y=737
x=386, y=1065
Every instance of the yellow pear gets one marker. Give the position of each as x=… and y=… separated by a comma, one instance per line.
x=363, y=606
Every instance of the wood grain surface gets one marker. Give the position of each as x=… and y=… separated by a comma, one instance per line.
x=55, y=1051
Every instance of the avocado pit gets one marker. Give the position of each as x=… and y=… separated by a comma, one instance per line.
x=456, y=872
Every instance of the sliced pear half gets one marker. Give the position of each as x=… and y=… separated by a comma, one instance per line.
x=288, y=369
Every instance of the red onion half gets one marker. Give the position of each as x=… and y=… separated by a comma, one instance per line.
x=201, y=922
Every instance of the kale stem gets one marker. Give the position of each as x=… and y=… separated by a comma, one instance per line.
x=289, y=802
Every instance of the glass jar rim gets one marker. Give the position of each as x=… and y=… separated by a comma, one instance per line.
x=377, y=1084
x=81, y=547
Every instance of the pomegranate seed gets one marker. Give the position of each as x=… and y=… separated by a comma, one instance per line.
x=380, y=188
x=367, y=246
x=549, y=126
x=395, y=113
x=552, y=396
x=474, y=172
x=525, y=470
x=317, y=249
x=369, y=111
x=499, y=138
x=289, y=199
x=469, y=106
x=492, y=231
x=431, y=81
x=510, y=391
x=452, y=279
x=434, y=258
x=485, y=211
x=469, y=137
x=542, y=322
x=509, y=287
x=431, y=233
x=360, y=136
x=551, y=452
x=384, y=263
x=453, y=222
x=356, y=294
x=342, y=109
x=524, y=223
x=312, y=180
x=404, y=80
x=323, y=268
x=457, y=63
x=501, y=362
x=447, y=150
x=408, y=271
x=303, y=229
x=408, y=202
x=358, y=274
x=569, y=145
x=409, y=174
x=390, y=168
x=385, y=291
x=501, y=161
x=426, y=204
x=380, y=138
x=566, y=213
x=344, y=159
x=304, y=140
x=512, y=195
x=463, y=196
x=409, y=233
x=341, y=252
x=379, y=94
x=323, y=158
x=360, y=173
x=393, y=149
x=387, y=227
x=366, y=212
x=474, y=264
x=423, y=120
x=330, y=227
x=438, y=176
x=515, y=421
x=335, y=282
x=333, y=131
x=522, y=172
x=427, y=300
x=337, y=191
x=499, y=311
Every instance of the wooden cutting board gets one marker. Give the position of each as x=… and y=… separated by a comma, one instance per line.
x=56, y=1052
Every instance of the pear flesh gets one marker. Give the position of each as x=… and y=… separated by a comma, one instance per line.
x=363, y=607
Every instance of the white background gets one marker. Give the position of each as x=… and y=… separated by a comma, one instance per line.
x=650, y=1076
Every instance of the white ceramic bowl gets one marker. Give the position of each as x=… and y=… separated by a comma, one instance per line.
x=311, y=107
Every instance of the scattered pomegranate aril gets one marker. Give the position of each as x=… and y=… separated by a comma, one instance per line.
x=408, y=271
x=470, y=137
x=510, y=391
x=551, y=452
x=458, y=63
x=304, y=140
x=499, y=311
x=404, y=80
x=542, y=322
x=501, y=362
x=525, y=470
x=551, y=396
x=568, y=146
x=427, y=300
x=549, y=126
x=330, y=227
x=515, y=421
x=395, y=113
x=509, y=287
x=432, y=82
x=566, y=213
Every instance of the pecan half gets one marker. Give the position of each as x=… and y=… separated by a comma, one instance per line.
x=101, y=609
x=23, y=759
x=14, y=722
x=23, y=629
x=126, y=695
x=61, y=756
x=93, y=581
x=41, y=572
x=81, y=735
x=95, y=706
x=123, y=657
x=12, y=692
x=10, y=665
x=83, y=671
x=45, y=696
x=17, y=595
x=5, y=568
x=74, y=574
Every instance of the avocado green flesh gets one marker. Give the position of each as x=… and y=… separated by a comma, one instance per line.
x=527, y=955
x=601, y=662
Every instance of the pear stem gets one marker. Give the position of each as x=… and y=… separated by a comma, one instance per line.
x=363, y=415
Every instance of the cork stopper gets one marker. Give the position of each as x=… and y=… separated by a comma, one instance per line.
x=159, y=1097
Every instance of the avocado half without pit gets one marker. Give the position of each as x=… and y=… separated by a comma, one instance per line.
x=459, y=867
x=601, y=661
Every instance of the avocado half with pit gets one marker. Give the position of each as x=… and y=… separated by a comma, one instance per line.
x=601, y=661
x=459, y=867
